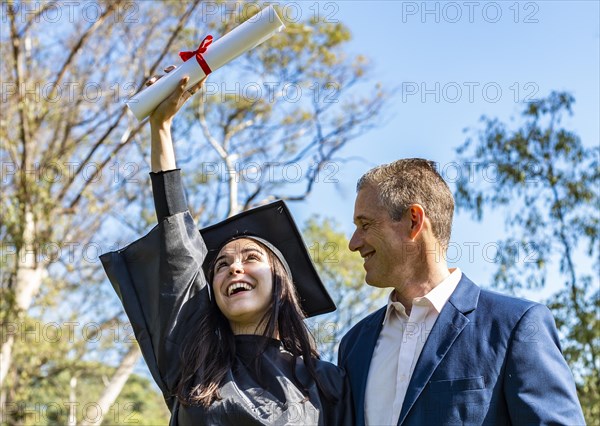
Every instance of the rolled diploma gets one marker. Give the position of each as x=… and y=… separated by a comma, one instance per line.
x=241, y=39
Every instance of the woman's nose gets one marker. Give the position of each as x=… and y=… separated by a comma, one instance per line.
x=236, y=268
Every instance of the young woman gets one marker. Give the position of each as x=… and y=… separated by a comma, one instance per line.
x=235, y=351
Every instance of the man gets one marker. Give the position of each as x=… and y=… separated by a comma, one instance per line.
x=443, y=350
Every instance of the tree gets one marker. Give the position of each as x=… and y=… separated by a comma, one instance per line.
x=343, y=274
x=74, y=161
x=57, y=139
x=545, y=183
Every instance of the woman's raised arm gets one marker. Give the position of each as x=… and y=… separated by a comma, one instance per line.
x=162, y=152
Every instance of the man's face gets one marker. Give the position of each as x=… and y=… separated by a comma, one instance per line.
x=383, y=243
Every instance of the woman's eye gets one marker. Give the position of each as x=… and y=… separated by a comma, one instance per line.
x=220, y=265
x=253, y=257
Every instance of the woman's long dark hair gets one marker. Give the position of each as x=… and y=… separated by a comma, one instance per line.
x=209, y=348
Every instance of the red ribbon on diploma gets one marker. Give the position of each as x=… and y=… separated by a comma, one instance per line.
x=198, y=54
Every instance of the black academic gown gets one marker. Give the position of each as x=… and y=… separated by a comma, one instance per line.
x=160, y=282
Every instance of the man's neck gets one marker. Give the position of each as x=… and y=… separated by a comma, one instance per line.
x=419, y=285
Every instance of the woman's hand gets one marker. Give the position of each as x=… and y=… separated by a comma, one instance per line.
x=162, y=152
x=166, y=110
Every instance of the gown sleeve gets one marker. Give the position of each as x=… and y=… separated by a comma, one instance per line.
x=160, y=282
x=341, y=412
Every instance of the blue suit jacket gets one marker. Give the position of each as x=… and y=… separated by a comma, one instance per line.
x=489, y=359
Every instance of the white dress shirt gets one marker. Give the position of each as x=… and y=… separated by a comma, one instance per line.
x=398, y=348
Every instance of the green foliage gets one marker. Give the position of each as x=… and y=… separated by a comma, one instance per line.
x=343, y=274
x=577, y=314
x=328, y=247
x=140, y=405
x=48, y=403
x=52, y=365
x=546, y=185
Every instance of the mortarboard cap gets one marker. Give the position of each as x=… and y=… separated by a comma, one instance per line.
x=274, y=223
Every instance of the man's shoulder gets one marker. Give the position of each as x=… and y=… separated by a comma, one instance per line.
x=351, y=338
x=367, y=321
x=496, y=304
x=504, y=301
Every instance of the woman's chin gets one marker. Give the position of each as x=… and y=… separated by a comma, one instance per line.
x=242, y=315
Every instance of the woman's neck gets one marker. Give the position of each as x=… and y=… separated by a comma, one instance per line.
x=251, y=328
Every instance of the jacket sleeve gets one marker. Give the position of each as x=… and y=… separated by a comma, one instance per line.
x=160, y=282
x=539, y=387
x=341, y=361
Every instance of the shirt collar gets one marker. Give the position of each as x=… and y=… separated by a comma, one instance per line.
x=440, y=294
x=437, y=297
x=392, y=306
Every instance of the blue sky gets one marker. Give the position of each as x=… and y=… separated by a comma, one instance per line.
x=452, y=62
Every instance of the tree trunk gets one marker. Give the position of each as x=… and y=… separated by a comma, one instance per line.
x=114, y=387
x=28, y=279
x=72, y=420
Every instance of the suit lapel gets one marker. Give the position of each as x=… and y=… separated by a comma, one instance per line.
x=359, y=360
x=449, y=325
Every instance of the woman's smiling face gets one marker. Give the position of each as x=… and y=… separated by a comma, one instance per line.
x=243, y=284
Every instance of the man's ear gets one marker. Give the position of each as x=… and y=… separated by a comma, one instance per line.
x=417, y=219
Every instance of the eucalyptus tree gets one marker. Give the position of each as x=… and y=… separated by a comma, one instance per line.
x=545, y=182
x=75, y=161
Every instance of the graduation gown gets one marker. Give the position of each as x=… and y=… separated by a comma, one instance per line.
x=160, y=282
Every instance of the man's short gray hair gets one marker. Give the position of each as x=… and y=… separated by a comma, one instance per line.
x=413, y=181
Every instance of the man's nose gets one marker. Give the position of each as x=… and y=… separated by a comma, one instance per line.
x=355, y=242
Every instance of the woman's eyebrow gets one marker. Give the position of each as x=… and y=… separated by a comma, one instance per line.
x=244, y=251
x=253, y=249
